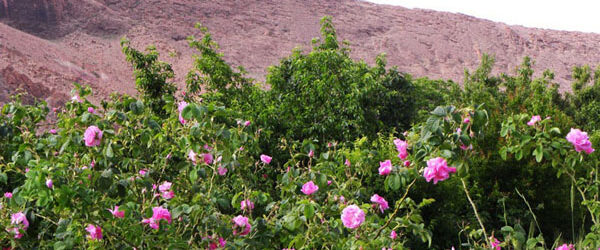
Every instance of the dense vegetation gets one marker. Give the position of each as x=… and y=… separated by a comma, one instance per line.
x=328, y=153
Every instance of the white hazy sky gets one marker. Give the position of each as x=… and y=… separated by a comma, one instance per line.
x=572, y=15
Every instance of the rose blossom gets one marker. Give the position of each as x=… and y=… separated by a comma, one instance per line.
x=247, y=204
x=192, y=157
x=241, y=222
x=158, y=213
x=385, y=167
x=495, y=243
x=401, y=147
x=580, y=140
x=265, y=158
x=534, y=119
x=381, y=202
x=92, y=136
x=222, y=171
x=95, y=232
x=208, y=158
x=438, y=170
x=309, y=188
x=565, y=247
x=16, y=219
x=353, y=216
x=393, y=235
x=115, y=212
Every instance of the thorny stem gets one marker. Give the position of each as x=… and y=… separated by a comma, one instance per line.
x=487, y=240
x=395, y=210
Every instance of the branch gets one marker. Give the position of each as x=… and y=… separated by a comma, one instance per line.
x=395, y=210
x=475, y=210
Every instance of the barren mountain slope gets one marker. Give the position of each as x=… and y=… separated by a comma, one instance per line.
x=47, y=44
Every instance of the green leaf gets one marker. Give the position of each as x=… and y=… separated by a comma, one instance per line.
x=109, y=151
x=538, y=152
x=309, y=211
x=64, y=146
x=504, y=131
x=187, y=111
x=439, y=111
x=519, y=154
x=394, y=182
x=193, y=175
x=503, y=153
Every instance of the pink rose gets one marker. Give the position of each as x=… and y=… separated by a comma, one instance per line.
x=165, y=190
x=495, y=243
x=352, y=216
x=91, y=110
x=393, y=235
x=309, y=188
x=192, y=157
x=16, y=219
x=143, y=172
x=241, y=222
x=467, y=120
x=167, y=195
x=49, y=183
x=166, y=186
x=247, y=204
x=580, y=140
x=95, y=232
x=208, y=158
x=385, y=167
x=401, y=147
x=438, y=170
x=564, y=247
x=534, y=119
x=406, y=163
x=347, y=163
x=116, y=213
x=463, y=147
x=180, y=108
x=265, y=158
x=381, y=202
x=247, y=123
x=8, y=195
x=311, y=153
x=53, y=131
x=222, y=171
x=19, y=218
x=158, y=213
x=92, y=136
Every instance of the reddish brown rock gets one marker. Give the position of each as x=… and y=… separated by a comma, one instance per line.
x=55, y=42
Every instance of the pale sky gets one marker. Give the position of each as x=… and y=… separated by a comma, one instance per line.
x=572, y=15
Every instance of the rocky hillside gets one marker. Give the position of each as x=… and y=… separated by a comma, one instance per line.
x=47, y=44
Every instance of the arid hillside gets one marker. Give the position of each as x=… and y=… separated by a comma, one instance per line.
x=47, y=44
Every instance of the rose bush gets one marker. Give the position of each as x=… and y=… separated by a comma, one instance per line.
x=336, y=154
